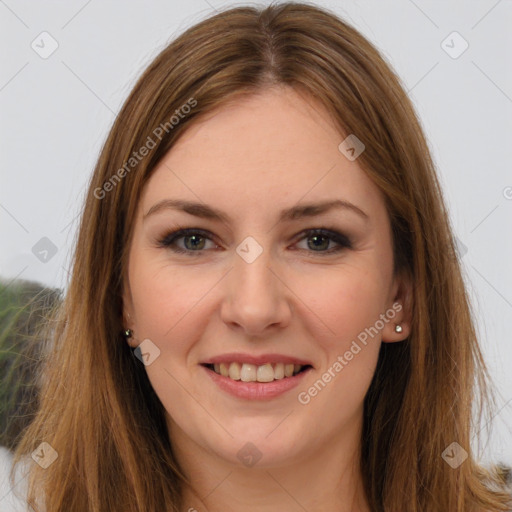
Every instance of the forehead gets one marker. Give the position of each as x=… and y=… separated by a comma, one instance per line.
x=275, y=127
x=261, y=153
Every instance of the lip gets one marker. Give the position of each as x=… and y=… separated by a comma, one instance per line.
x=237, y=357
x=256, y=390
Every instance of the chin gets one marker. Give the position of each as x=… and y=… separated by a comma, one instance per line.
x=255, y=447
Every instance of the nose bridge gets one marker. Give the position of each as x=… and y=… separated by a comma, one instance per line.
x=256, y=296
x=254, y=275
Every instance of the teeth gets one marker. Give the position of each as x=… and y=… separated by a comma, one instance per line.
x=224, y=370
x=234, y=371
x=248, y=372
x=279, y=371
x=252, y=373
x=265, y=373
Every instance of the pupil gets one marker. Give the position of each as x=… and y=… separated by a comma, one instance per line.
x=316, y=237
x=195, y=239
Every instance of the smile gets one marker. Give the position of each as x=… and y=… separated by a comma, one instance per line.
x=242, y=379
x=247, y=372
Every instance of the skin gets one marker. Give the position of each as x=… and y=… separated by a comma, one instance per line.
x=252, y=159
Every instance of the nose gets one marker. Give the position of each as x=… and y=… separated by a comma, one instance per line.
x=257, y=299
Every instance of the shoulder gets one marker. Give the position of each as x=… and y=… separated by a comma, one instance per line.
x=11, y=500
x=505, y=475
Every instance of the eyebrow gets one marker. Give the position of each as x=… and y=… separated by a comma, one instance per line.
x=205, y=211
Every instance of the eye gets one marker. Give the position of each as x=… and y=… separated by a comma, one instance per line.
x=194, y=241
x=321, y=238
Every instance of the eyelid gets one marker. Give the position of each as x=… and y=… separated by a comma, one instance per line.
x=167, y=240
x=333, y=234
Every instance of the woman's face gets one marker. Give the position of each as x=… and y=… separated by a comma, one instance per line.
x=255, y=287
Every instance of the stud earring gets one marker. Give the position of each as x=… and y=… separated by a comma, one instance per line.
x=398, y=328
x=127, y=333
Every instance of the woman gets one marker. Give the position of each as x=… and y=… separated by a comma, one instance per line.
x=206, y=356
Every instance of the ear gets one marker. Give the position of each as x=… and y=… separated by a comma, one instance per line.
x=128, y=313
x=399, y=310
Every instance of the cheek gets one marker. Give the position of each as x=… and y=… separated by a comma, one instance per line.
x=166, y=298
x=346, y=300
x=350, y=304
x=341, y=301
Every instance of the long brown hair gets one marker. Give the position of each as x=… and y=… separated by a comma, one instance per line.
x=98, y=410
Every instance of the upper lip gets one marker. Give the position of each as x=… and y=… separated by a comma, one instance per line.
x=259, y=360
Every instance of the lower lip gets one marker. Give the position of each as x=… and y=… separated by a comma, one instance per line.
x=256, y=390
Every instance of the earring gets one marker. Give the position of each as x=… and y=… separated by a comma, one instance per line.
x=127, y=333
x=398, y=328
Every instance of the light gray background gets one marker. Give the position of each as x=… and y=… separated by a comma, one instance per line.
x=57, y=111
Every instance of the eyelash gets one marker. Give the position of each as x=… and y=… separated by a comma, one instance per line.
x=169, y=240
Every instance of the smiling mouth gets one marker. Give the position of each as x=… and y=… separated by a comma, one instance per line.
x=267, y=372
